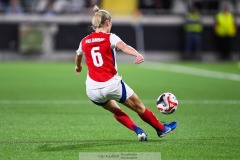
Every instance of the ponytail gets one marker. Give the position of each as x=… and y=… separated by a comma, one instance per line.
x=100, y=17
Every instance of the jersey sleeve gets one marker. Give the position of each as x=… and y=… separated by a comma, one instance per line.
x=114, y=39
x=79, y=50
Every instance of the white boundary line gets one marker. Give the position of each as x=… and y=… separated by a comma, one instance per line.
x=190, y=71
x=56, y=102
x=87, y=102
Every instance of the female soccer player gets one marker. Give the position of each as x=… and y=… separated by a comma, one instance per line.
x=103, y=84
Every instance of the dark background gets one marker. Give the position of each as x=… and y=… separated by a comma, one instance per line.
x=157, y=38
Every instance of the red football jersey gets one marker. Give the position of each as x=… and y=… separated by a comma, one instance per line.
x=100, y=57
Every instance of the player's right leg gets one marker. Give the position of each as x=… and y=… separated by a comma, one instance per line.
x=122, y=93
x=134, y=103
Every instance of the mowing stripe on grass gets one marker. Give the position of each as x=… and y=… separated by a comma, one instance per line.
x=82, y=102
x=190, y=71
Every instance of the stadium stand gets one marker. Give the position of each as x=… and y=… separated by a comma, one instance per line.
x=149, y=25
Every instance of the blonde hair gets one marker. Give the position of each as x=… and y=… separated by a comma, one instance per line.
x=100, y=17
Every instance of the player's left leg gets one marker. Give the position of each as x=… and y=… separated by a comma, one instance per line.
x=124, y=119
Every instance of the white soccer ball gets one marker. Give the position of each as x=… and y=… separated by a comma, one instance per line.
x=167, y=103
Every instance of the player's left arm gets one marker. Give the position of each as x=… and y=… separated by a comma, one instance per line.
x=78, y=59
x=78, y=62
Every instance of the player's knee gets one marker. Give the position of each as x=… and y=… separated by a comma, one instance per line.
x=140, y=108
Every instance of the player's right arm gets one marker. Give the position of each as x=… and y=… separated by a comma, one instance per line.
x=130, y=50
x=78, y=59
x=117, y=42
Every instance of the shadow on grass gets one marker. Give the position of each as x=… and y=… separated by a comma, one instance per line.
x=84, y=145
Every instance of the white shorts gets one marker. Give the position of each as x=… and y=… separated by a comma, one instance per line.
x=119, y=92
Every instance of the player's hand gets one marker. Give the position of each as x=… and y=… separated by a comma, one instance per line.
x=139, y=59
x=78, y=69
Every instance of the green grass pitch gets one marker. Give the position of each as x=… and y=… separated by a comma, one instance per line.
x=45, y=113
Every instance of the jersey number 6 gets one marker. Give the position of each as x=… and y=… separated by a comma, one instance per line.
x=97, y=57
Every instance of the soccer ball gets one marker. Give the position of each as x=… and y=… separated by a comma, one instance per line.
x=167, y=103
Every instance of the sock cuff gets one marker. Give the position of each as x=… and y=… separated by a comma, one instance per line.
x=119, y=112
x=145, y=112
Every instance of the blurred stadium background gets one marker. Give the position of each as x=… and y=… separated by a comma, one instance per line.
x=52, y=29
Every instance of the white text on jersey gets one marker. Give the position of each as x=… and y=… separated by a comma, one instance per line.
x=95, y=40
